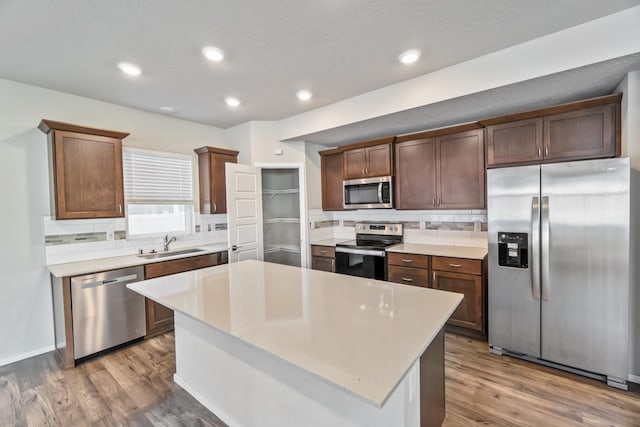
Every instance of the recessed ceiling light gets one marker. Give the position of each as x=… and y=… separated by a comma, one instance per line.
x=213, y=53
x=231, y=101
x=168, y=110
x=410, y=56
x=303, y=95
x=130, y=69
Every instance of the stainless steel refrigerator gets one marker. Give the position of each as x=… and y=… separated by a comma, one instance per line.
x=559, y=265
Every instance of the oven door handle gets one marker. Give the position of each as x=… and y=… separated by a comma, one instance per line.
x=361, y=251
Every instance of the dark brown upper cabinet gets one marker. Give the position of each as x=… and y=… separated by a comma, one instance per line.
x=515, y=142
x=575, y=131
x=212, y=186
x=368, y=159
x=85, y=171
x=416, y=174
x=442, y=169
x=331, y=173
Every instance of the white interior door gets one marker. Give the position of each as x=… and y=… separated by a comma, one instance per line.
x=244, y=211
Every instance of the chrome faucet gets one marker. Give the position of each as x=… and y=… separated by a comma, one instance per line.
x=167, y=242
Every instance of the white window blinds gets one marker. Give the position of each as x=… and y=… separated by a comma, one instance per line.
x=156, y=178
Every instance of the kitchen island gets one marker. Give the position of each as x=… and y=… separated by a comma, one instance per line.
x=263, y=344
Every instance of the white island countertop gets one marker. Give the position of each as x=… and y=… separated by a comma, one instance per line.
x=361, y=335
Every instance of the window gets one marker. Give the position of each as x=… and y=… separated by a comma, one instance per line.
x=158, y=192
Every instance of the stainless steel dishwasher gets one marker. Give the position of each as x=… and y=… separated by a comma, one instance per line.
x=105, y=312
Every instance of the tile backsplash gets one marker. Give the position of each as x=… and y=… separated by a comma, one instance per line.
x=80, y=240
x=444, y=227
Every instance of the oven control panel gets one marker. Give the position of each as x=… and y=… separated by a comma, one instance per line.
x=380, y=229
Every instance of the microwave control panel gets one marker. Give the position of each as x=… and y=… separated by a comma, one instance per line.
x=513, y=250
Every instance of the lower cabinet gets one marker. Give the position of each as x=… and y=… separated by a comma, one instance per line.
x=461, y=275
x=408, y=269
x=159, y=317
x=323, y=258
x=469, y=313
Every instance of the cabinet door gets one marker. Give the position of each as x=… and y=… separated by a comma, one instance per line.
x=159, y=318
x=355, y=163
x=586, y=133
x=378, y=160
x=460, y=168
x=514, y=142
x=218, y=183
x=323, y=264
x=469, y=313
x=416, y=174
x=332, y=182
x=87, y=176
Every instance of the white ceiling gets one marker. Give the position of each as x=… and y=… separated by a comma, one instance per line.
x=335, y=48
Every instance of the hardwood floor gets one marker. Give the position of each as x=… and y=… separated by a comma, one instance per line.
x=134, y=386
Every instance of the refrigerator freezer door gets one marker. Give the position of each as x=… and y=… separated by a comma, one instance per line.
x=514, y=293
x=586, y=255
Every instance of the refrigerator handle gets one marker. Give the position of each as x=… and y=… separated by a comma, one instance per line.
x=535, y=246
x=544, y=233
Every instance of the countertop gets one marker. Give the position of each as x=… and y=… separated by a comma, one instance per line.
x=440, y=250
x=360, y=334
x=329, y=242
x=113, y=263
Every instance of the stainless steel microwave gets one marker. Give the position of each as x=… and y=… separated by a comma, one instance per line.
x=368, y=193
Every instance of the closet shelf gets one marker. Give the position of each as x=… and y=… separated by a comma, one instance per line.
x=278, y=248
x=281, y=220
x=285, y=191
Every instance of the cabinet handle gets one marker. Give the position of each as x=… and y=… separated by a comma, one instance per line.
x=434, y=202
x=363, y=171
x=455, y=265
x=539, y=152
x=435, y=277
x=407, y=260
x=406, y=279
x=333, y=265
x=120, y=209
x=439, y=201
x=546, y=151
x=215, y=207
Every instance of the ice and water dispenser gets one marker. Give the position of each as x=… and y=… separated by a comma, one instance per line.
x=512, y=250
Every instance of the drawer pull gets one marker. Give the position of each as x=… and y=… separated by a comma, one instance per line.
x=323, y=252
x=455, y=265
x=406, y=279
x=407, y=260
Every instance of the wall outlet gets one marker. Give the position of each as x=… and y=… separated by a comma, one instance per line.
x=110, y=235
x=208, y=227
x=477, y=226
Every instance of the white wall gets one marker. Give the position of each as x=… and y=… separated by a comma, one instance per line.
x=26, y=325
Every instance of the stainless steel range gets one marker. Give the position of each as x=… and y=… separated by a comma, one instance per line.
x=366, y=256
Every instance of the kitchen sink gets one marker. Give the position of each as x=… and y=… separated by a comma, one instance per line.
x=171, y=253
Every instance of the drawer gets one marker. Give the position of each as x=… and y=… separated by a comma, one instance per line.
x=408, y=275
x=159, y=269
x=326, y=251
x=457, y=265
x=408, y=260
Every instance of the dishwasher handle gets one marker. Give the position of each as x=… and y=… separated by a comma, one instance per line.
x=127, y=278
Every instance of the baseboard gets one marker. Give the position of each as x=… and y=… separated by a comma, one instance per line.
x=634, y=378
x=226, y=418
x=26, y=355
